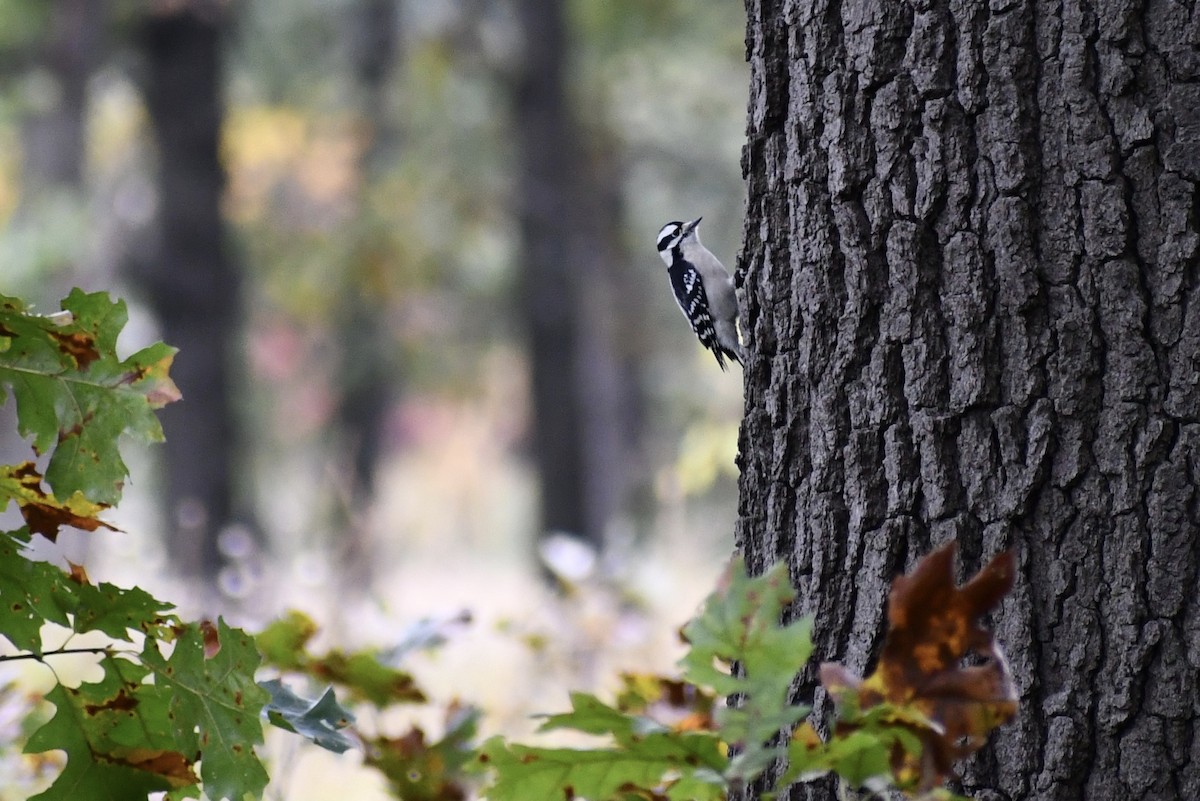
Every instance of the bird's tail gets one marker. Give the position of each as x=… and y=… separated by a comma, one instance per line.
x=728, y=345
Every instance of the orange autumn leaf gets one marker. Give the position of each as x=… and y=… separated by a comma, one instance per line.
x=933, y=627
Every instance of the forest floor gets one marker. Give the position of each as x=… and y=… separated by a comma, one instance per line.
x=514, y=646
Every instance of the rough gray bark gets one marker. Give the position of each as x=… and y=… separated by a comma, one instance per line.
x=568, y=206
x=973, y=301
x=192, y=284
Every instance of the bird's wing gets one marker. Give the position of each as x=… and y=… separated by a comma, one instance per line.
x=693, y=302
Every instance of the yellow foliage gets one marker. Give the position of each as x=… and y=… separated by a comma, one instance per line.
x=117, y=118
x=706, y=454
x=10, y=190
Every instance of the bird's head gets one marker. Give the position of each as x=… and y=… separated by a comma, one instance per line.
x=671, y=235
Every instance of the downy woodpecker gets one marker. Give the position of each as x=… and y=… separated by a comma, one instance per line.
x=703, y=289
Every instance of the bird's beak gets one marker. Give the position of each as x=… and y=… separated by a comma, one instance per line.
x=687, y=229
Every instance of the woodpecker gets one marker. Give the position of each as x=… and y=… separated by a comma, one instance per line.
x=703, y=289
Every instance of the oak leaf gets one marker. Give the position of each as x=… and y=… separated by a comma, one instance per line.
x=323, y=721
x=952, y=707
x=215, y=707
x=421, y=769
x=43, y=513
x=743, y=623
x=75, y=396
x=117, y=734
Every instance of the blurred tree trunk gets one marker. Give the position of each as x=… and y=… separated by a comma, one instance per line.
x=973, y=298
x=53, y=137
x=53, y=147
x=53, y=134
x=568, y=208
x=192, y=283
x=366, y=377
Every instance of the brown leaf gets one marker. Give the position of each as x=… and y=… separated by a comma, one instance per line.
x=933, y=626
x=416, y=769
x=77, y=573
x=212, y=639
x=47, y=518
x=43, y=513
x=171, y=765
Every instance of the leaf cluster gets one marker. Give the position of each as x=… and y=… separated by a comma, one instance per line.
x=75, y=398
x=900, y=728
x=921, y=696
x=416, y=767
x=364, y=675
x=176, y=706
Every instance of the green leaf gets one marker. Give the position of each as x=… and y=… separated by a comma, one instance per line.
x=117, y=735
x=861, y=758
x=647, y=755
x=215, y=706
x=34, y=593
x=31, y=594
x=524, y=773
x=742, y=623
x=699, y=785
x=365, y=677
x=739, y=624
x=320, y=721
x=633, y=732
x=117, y=611
x=591, y=715
x=418, y=770
x=283, y=641
x=74, y=396
x=865, y=756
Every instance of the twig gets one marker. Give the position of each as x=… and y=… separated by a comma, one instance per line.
x=58, y=652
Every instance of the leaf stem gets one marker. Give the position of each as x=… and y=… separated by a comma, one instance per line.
x=57, y=652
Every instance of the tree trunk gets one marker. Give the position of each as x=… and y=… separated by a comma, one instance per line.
x=52, y=139
x=366, y=376
x=973, y=305
x=52, y=153
x=192, y=285
x=567, y=205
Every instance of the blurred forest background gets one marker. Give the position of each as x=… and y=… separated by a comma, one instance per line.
x=405, y=248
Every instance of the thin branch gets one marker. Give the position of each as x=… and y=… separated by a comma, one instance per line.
x=58, y=652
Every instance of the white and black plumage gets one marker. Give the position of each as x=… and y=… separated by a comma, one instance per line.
x=703, y=289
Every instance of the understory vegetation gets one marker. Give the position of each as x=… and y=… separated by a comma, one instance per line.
x=181, y=705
